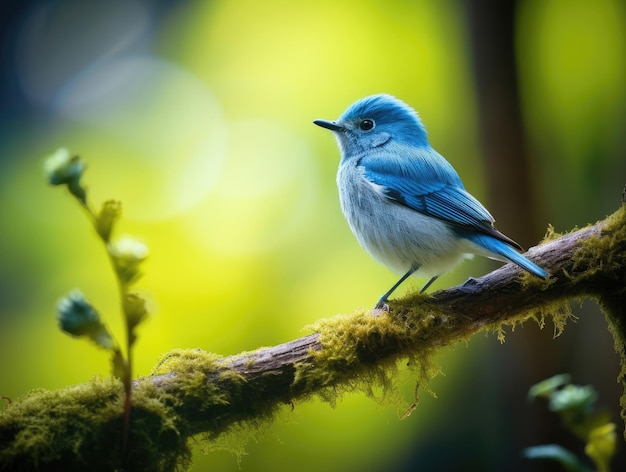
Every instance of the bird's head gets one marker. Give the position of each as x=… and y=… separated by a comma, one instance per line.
x=375, y=121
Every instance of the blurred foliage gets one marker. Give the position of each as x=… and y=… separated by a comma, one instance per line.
x=198, y=116
x=575, y=404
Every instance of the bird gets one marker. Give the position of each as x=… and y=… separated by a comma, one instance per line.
x=404, y=202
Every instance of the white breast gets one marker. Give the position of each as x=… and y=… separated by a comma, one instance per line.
x=394, y=234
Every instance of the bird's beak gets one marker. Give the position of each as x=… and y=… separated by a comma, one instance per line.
x=331, y=125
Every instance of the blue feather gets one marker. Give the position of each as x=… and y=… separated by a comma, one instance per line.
x=424, y=181
x=506, y=251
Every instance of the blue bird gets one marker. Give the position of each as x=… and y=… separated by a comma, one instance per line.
x=404, y=202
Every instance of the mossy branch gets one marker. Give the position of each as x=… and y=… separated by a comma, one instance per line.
x=192, y=391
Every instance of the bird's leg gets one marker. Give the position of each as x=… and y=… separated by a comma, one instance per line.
x=429, y=283
x=382, y=302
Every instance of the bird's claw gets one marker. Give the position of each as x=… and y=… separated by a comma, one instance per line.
x=381, y=307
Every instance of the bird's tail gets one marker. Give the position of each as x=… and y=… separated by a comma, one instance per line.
x=502, y=249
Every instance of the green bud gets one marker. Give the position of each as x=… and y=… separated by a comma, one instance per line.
x=108, y=216
x=127, y=255
x=78, y=318
x=62, y=168
x=135, y=310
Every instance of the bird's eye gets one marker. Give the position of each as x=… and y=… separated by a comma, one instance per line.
x=366, y=125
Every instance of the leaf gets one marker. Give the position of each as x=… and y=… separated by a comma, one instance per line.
x=573, y=397
x=601, y=445
x=547, y=387
x=119, y=364
x=554, y=452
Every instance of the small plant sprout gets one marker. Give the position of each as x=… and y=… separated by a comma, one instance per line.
x=76, y=316
x=575, y=404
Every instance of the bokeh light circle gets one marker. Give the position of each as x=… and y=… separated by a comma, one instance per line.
x=161, y=132
x=266, y=191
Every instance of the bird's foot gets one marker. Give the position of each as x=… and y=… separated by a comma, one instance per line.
x=381, y=307
x=470, y=281
x=471, y=285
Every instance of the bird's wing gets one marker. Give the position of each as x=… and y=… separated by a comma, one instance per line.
x=427, y=183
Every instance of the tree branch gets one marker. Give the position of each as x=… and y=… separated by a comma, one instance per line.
x=192, y=391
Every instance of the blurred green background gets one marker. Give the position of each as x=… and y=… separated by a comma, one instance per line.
x=197, y=115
